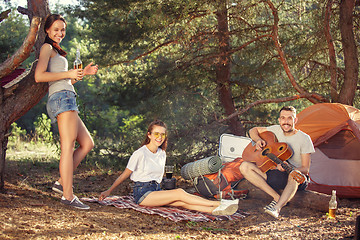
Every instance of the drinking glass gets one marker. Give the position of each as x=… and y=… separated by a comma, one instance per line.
x=169, y=171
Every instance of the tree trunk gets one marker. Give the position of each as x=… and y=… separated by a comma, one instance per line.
x=20, y=98
x=3, y=144
x=223, y=69
x=347, y=92
x=332, y=53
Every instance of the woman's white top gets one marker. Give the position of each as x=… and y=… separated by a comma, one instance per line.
x=59, y=63
x=147, y=166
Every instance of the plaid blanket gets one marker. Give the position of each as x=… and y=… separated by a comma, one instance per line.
x=172, y=213
x=13, y=78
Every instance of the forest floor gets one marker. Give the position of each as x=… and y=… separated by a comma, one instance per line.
x=29, y=209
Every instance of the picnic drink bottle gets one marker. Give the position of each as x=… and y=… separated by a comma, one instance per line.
x=332, y=205
x=77, y=62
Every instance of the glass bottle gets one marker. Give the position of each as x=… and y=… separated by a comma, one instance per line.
x=77, y=62
x=332, y=205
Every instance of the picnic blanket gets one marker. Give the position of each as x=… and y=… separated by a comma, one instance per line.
x=16, y=76
x=172, y=213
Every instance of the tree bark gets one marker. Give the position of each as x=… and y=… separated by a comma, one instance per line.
x=4, y=14
x=332, y=54
x=3, y=144
x=223, y=69
x=347, y=92
x=17, y=100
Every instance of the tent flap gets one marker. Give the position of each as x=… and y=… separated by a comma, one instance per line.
x=334, y=129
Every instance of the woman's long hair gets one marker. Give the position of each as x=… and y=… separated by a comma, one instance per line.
x=48, y=22
x=160, y=123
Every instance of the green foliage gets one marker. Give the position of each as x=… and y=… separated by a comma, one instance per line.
x=113, y=143
x=13, y=31
x=175, y=79
x=17, y=134
x=43, y=129
x=177, y=82
x=32, y=153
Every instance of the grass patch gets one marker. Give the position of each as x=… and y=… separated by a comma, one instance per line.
x=34, y=151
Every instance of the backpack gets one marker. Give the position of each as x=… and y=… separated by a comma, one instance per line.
x=223, y=183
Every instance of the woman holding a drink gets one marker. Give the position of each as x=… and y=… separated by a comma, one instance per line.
x=146, y=169
x=52, y=67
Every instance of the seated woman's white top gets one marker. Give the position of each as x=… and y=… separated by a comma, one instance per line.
x=147, y=166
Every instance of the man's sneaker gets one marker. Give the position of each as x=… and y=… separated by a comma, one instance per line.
x=271, y=205
x=272, y=211
x=225, y=209
x=57, y=187
x=76, y=203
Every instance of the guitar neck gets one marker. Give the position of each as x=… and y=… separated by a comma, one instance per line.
x=274, y=158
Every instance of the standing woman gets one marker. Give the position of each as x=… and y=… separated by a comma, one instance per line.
x=52, y=67
x=146, y=169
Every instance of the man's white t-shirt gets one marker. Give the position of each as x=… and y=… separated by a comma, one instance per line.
x=300, y=143
x=147, y=166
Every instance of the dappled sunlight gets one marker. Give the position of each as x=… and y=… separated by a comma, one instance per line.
x=30, y=209
x=43, y=152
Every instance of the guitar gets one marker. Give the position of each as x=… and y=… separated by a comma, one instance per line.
x=272, y=154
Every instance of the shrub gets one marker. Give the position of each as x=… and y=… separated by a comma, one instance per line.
x=43, y=129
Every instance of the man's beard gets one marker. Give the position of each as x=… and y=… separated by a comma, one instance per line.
x=288, y=131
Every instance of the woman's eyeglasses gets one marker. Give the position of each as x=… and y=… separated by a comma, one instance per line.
x=157, y=134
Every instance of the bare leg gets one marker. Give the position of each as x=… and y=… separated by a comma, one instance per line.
x=86, y=143
x=68, y=128
x=198, y=208
x=179, y=198
x=254, y=175
x=287, y=194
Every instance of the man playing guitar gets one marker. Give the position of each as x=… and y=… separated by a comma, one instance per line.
x=274, y=179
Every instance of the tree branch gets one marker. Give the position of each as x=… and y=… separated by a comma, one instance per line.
x=314, y=98
x=193, y=15
x=4, y=15
x=23, y=52
x=338, y=69
x=25, y=11
x=144, y=54
x=274, y=100
x=247, y=43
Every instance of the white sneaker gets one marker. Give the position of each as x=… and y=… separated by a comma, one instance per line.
x=225, y=209
x=271, y=205
x=272, y=211
x=229, y=202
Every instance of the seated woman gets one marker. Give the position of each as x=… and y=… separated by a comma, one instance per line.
x=146, y=169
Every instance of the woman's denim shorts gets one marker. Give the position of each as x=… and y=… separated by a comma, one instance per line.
x=142, y=189
x=60, y=102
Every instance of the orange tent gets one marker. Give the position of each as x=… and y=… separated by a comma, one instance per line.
x=335, y=131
